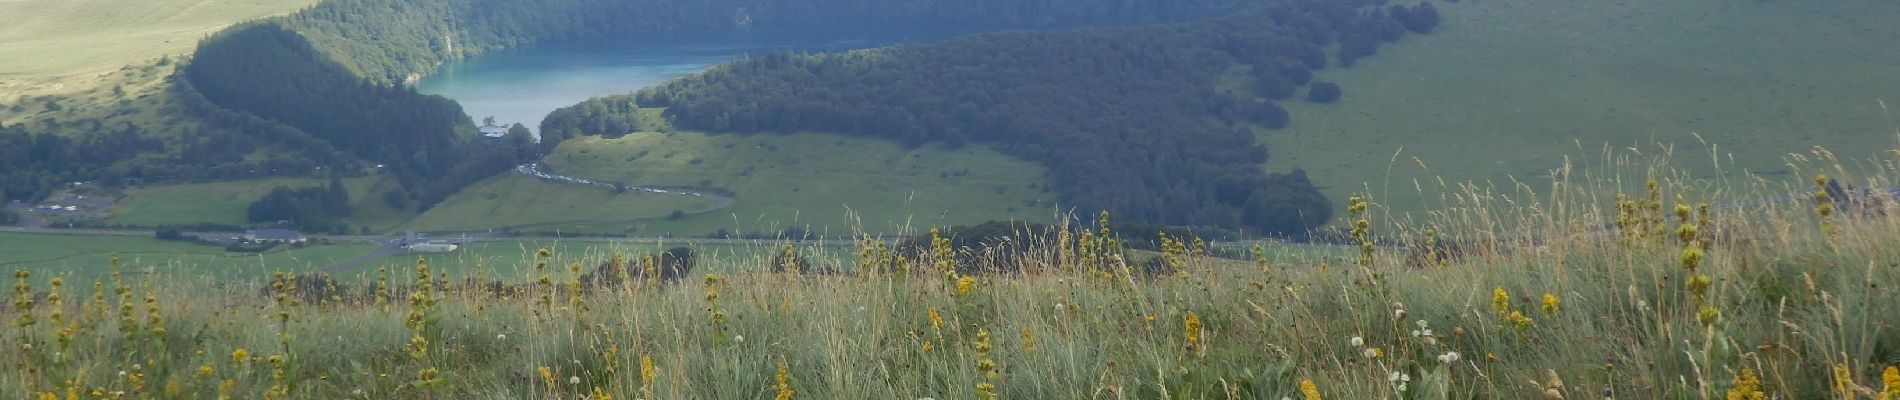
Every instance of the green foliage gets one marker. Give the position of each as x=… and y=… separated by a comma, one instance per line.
x=266, y=70
x=1080, y=102
x=320, y=209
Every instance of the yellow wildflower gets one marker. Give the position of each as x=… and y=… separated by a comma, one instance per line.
x=1746, y=386
x=1308, y=390
x=1500, y=301
x=1891, y=378
x=1192, y=327
x=240, y=356
x=964, y=284
x=546, y=375
x=1550, y=303
x=206, y=370
x=784, y=382
x=647, y=371
x=936, y=320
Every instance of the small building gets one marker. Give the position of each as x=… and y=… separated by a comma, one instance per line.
x=433, y=247
x=275, y=236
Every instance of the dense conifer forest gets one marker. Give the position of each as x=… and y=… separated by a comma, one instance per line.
x=1126, y=119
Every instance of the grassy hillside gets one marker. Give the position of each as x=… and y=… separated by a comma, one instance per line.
x=822, y=182
x=58, y=46
x=1530, y=301
x=530, y=204
x=1506, y=88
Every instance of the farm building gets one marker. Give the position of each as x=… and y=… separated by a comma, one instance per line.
x=274, y=236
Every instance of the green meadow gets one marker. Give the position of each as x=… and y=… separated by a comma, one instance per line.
x=1506, y=89
x=822, y=183
x=84, y=258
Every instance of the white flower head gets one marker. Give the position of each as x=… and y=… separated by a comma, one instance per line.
x=1448, y=357
x=573, y=380
x=501, y=336
x=1358, y=341
x=738, y=338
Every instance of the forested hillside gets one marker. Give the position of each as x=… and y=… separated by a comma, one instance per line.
x=388, y=41
x=266, y=70
x=1126, y=119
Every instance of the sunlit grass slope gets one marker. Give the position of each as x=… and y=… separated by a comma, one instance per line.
x=1505, y=88
x=56, y=46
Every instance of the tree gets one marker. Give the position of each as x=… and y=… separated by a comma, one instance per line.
x=490, y=121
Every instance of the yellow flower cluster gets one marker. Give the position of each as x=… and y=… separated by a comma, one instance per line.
x=1308, y=390
x=784, y=380
x=1746, y=386
x=1891, y=379
x=1192, y=328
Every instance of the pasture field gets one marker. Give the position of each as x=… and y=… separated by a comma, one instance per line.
x=823, y=183
x=525, y=203
x=88, y=258
x=60, y=46
x=225, y=202
x=1506, y=88
x=1571, y=293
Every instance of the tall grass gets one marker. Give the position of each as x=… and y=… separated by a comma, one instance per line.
x=1554, y=289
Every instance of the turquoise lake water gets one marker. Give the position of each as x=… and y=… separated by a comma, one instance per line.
x=524, y=84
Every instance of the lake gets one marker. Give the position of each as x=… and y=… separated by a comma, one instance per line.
x=524, y=84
